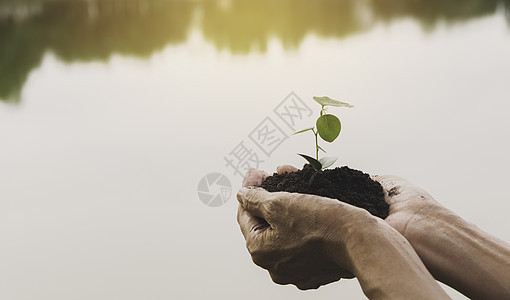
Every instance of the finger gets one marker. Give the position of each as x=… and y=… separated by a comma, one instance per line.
x=307, y=285
x=281, y=279
x=399, y=190
x=315, y=283
x=248, y=223
x=392, y=186
x=254, y=177
x=286, y=169
x=253, y=200
x=389, y=182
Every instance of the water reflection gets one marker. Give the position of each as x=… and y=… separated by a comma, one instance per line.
x=83, y=31
x=246, y=25
x=96, y=29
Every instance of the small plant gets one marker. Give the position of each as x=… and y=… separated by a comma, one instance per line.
x=328, y=128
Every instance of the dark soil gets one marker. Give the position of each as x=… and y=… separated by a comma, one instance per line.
x=345, y=184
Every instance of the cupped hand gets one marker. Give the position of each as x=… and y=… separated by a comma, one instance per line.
x=300, y=239
x=410, y=207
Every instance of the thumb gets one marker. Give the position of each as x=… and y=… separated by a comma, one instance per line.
x=254, y=177
x=286, y=169
x=253, y=200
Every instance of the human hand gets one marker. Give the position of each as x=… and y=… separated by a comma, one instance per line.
x=299, y=238
x=455, y=251
x=412, y=211
x=408, y=204
x=411, y=207
x=310, y=241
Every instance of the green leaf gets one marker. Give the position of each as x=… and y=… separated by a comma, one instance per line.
x=304, y=130
x=326, y=101
x=327, y=161
x=328, y=127
x=320, y=148
x=315, y=163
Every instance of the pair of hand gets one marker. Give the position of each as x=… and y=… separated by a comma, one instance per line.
x=309, y=240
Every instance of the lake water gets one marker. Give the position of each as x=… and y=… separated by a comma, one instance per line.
x=112, y=112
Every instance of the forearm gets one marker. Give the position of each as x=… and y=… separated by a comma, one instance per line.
x=463, y=256
x=387, y=267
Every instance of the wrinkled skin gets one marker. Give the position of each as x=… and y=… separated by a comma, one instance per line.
x=303, y=261
x=409, y=205
x=284, y=235
x=455, y=251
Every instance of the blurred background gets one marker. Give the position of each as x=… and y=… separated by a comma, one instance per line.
x=115, y=113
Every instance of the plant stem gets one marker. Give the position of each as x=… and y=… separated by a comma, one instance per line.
x=316, y=137
x=316, y=144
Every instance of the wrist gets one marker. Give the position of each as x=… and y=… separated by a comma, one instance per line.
x=462, y=256
x=429, y=224
x=348, y=234
x=386, y=265
x=427, y=220
x=364, y=246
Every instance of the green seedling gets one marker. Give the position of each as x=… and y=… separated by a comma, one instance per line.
x=328, y=128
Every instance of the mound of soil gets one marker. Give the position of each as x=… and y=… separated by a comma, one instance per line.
x=345, y=184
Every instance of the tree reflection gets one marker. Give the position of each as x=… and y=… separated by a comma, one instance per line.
x=242, y=26
x=96, y=29
x=429, y=13
x=86, y=31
